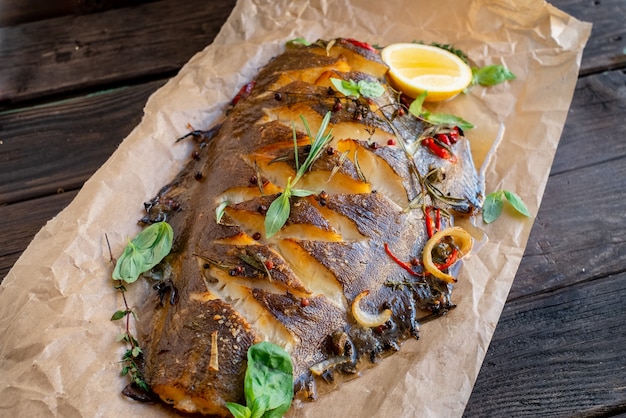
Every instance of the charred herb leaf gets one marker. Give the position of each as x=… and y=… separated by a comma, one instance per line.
x=494, y=203
x=268, y=383
x=278, y=212
x=365, y=88
x=490, y=75
x=144, y=251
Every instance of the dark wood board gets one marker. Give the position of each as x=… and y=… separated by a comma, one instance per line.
x=563, y=349
x=73, y=53
x=76, y=86
x=59, y=145
x=21, y=221
x=605, y=49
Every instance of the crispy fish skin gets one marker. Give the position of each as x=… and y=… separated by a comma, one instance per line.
x=234, y=286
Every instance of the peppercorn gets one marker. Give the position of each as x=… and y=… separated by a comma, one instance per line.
x=269, y=264
x=278, y=97
x=195, y=155
x=337, y=106
x=198, y=175
x=391, y=142
x=256, y=236
x=304, y=302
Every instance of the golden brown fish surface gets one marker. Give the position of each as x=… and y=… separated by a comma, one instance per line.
x=342, y=282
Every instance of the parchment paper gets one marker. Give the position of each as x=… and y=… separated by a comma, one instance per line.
x=58, y=354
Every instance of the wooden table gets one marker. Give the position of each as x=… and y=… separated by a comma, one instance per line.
x=73, y=82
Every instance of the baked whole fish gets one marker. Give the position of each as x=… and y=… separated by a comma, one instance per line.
x=345, y=278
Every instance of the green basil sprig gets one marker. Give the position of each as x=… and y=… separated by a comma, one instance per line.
x=278, y=212
x=145, y=251
x=365, y=88
x=494, y=202
x=416, y=108
x=490, y=75
x=268, y=383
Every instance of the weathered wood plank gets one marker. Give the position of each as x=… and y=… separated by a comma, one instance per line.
x=580, y=232
x=605, y=48
x=580, y=229
x=21, y=221
x=76, y=52
x=16, y=12
x=557, y=354
x=58, y=146
x=594, y=129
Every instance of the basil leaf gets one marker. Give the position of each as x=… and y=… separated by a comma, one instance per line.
x=277, y=214
x=298, y=41
x=415, y=108
x=269, y=374
x=301, y=193
x=365, y=88
x=259, y=407
x=347, y=88
x=492, y=207
x=238, y=411
x=370, y=89
x=145, y=251
x=491, y=75
x=516, y=202
x=446, y=119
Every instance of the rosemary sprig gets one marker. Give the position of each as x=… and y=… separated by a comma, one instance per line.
x=278, y=212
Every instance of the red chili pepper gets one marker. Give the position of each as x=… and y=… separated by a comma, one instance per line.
x=429, y=221
x=400, y=262
x=438, y=219
x=438, y=150
x=443, y=138
x=360, y=44
x=454, y=135
x=243, y=93
x=451, y=260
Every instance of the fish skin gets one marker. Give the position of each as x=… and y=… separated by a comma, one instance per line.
x=216, y=268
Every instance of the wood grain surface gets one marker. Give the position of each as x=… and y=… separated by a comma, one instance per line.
x=73, y=85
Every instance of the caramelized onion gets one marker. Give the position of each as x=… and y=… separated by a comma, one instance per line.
x=213, y=362
x=367, y=319
x=462, y=239
x=319, y=368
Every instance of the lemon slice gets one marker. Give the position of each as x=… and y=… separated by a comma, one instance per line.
x=415, y=68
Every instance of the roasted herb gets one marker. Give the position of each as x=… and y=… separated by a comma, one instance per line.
x=365, y=88
x=494, y=202
x=416, y=108
x=268, y=383
x=491, y=75
x=145, y=251
x=278, y=212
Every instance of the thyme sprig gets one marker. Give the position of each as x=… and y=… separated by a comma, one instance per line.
x=278, y=212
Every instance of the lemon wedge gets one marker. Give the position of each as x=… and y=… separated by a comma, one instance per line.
x=415, y=68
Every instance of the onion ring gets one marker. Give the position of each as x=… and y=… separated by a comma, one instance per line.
x=367, y=319
x=459, y=235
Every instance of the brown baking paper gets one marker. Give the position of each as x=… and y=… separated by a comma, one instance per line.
x=58, y=351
